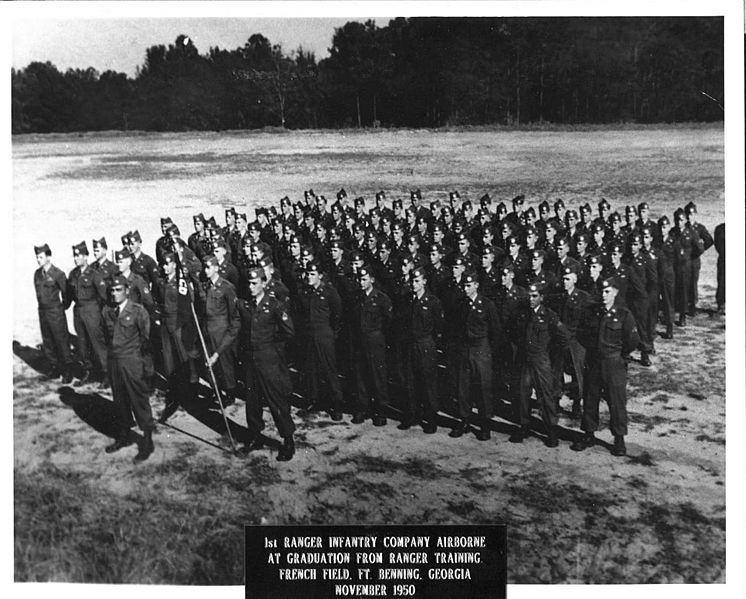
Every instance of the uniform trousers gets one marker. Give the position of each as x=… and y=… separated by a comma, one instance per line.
x=537, y=373
x=474, y=370
x=90, y=331
x=268, y=379
x=54, y=337
x=130, y=391
x=608, y=376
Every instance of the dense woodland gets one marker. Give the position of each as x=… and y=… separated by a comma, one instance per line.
x=418, y=72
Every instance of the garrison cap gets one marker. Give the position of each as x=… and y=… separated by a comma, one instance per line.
x=313, y=266
x=258, y=211
x=360, y=201
x=122, y=254
x=306, y=251
x=272, y=211
x=365, y=270
x=642, y=206
x=536, y=288
x=635, y=237
x=118, y=280
x=416, y=194
x=265, y=262
x=560, y=241
x=610, y=282
x=537, y=254
x=356, y=255
x=413, y=239
x=582, y=237
x=629, y=209
x=466, y=204
x=42, y=249
x=256, y=273
x=100, y=243
x=597, y=228
x=469, y=277
x=690, y=207
x=380, y=195
x=585, y=208
x=560, y=203
x=421, y=219
x=485, y=200
x=135, y=235
x=531, y=212
x=595, y=261
x=604, y=202
x=436, y=247
x=126, y=238
x=397, y=224
x=506, y=225
x=518, y=200
x=80, y=249
x=306, y=195
x=336, y=244
x=615, y=217
x=375, y=211
x=679, y=214
x=616, y=248
x=507, y=269
x=253, y=226
x=530, y=230
x=293, y=240
x=341, y=194
x=463, y=237
x=396, y=204
x=210, y=260
x=437, y=227
x=501, y=207
x=488, y=249
x=418, y=272
x=513, y=240
x=172, y=230
x=459, y=261
x=544, y=206
x=571, y=214
x=406, y=259
x=384, y=244
x=199, y=218
x=551, y=225
x=211, y=222
x=166, y=221
x=454, y=195
x=242, y=216
x=663, y=220
x=230, y=210
x=285, y=201
x=571, y=269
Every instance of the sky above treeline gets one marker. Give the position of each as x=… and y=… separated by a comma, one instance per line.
x=120, y=44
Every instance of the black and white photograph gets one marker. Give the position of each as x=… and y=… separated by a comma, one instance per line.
x=335, y=264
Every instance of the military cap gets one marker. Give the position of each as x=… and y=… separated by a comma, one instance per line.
x=604, y=202
x=118, y=280
x=616, y=248
x=560, y=203
x=571, y=269
x=501, y=207
x=488, y=249
x=360, y=201
x=536, y=288
x=485, y=200
x=690, y=207
x=356, y=255
x=463, y=237
x=469, y=277
x=416, y=194
x=42, y=249
x=199, y=218
x=242, y=216
x=646, y=230
x=506, y=225
x=126, y=237
x=544, y=206
x=249, y=243
x=507, y=269
x=436, y=247
x=169, y=257
x=212, y=223
x=629, y=209
x=642, y=206
x=435, y=205
x=454, y=195
x=210, y=260
x=663, y=220
x=571, y=214
x=172, y=230
x=437, y=227
x=122, y=254
x=582, y=237
x=635, y=238
x=306, y=251
x=397, y=224
x=306, y=195
x=255, y=273
x=530, y=211
x=560, y=241
x=513, y=240
x=380, y=195
x=370, y=234
x=293, y=239
x=586, y=208
x=341, y=194
x=597, y=228
x=615, y=217
x=679, y=214
x=551, y=225
x=81, y=249
x=418, y=272
x=406, y=259
x=357, y=227
x=413, y=239
x=230, y=210
x=537, y=254
x=258, y=211
x=460, y=261
x=336, y=244
x=595, y=261
x=253, y=226
x=313, y=266
x=365, y=270
x=100, y=243
x=518, y=200
x=466, y=204
x=135, y=235
x=384, y=244
x=375, y=211
x=265, y=262
x=421, y=220
x=487, y=228
x=166, y=220
x=285, y=201
x=530, y=230
x=272, y=210
x=396, y=204
x=610, y=282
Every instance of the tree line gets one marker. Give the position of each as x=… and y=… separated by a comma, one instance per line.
x=416, y=72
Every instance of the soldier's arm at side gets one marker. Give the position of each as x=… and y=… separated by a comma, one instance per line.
x=234, y=319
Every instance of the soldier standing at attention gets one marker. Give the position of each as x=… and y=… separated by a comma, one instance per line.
x=142, y=264
x=138, y=290
x=706, y=243
x=265, y=327
x=108, y=269
x=87, y=289
x=51, y=294
x=607, y=370
x=127, y=327
x=222, y=325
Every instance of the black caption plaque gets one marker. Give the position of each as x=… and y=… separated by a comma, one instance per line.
x=424, y=562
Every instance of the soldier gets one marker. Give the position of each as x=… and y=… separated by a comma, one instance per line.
x=686, y=242
x=142, y=264
x=127, y=329
x=265, y=327
x=222, y=324
x=607, y=370
x=641, y=276
x=102, y=263
x=543, y=329
x=225, y=269
x=371, y=314
x=319, y=310
x=666, y=244
x=438, y=273
x=706, y=243
x=87, y=288
x=652, y=256
x=137, y=289
x=51, y=288
x=479, y=329
x=163, y=243
x=489, y=276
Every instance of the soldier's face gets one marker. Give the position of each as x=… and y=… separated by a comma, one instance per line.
x=665, y=228
x=536, y=263
x=502, y=213
x=647, y=240
x=365, y=282
x=691, y=218
x=124, y=264
x=470, y=288
x=211, y=270
x=169, y=267
x=219, y=253
x=80, y=259
x=487, y=260
x=635, y=247
x=42, y=259
x=398, y=234
x=595, y=269
x=609, y=295
x=562, y=250
x=463, y=246
x=507, y=279
x=256, y=287
x=406, y=267
x=644, y=214
x=199, y=226
x=384, y=254
x=530, y=239
x=99, y=251
x=255, y=256
x=312, y=278
x=336, y=253
x=357, y=265
x=534, y=298
x=435, y=257
x=254, y=234
x=418, y=284
x=295, y=249
x=569, y=282
x=119, y=293
x=230, y=220
x=581, y=245
x=458, y=270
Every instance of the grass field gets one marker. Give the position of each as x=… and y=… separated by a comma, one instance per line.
x=656, y=516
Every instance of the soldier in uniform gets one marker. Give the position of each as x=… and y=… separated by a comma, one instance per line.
x=51, y=288
x=370, y=316
x=424, y=324
x=706, y=243
x=641, y=276
x=163, y=243
x=543, y=331
x=265, y=327
x=479, y=330
x=222, y=324
x=607, y=370
x=142, y=264
x=127, y=327
x=319, y=310
x=687, y=241
x=225, y=269
x=87, y=288
x=102, y=263
x=137, y=290
x=666, y=244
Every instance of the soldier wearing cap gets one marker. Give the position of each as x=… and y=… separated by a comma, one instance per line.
x=187, y=258
x=620, y=271
x=51, y=288
x=274, y=287
x=643, y=220
x=603, y=213
x=438, y=274
x=222, y=323
x=478, y=330
x=586, y=218
x=197, y=241
x=666, y=245
x=238, y=239
x=607, y=370
x=560, y=216
x=614, y=232
x=87, y=288
x=226, y=270
x=546, y=279
x=630, y=219
x=319, y=322
x=265, y=327
x=514, y=218
x=489, y=275
x=543, y=331
x=641, y=276
x=509, y=307
x=137, y=289
x=572, y=226
x=687, y=242
x=385, y=268
x=370, y=316
x=127, y=326
x=581, y=254
x=422, y=326
x=463, y=244
x=697, y=250
x=142, y=264
x=102, y=263
x=230, y=225
x=163, y=243
x=518, y=260
x=653, y=258
x=573, y=310
x=592, y=279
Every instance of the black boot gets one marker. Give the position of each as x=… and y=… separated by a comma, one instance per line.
x=483, y=434
x=287, y=451
x=407, y=422
x=551, y=440
x=669, y=331
x=518, y=436
x=67, y=376
x=121, y=441
x=681, y=322
x=459, y=429
x=645, y=359
x=146, y=447
x=586, y=441
x=619, y=448
x=104, y=384
x=83, y=379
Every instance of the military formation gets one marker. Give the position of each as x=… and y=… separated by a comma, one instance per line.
x=382, y=311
